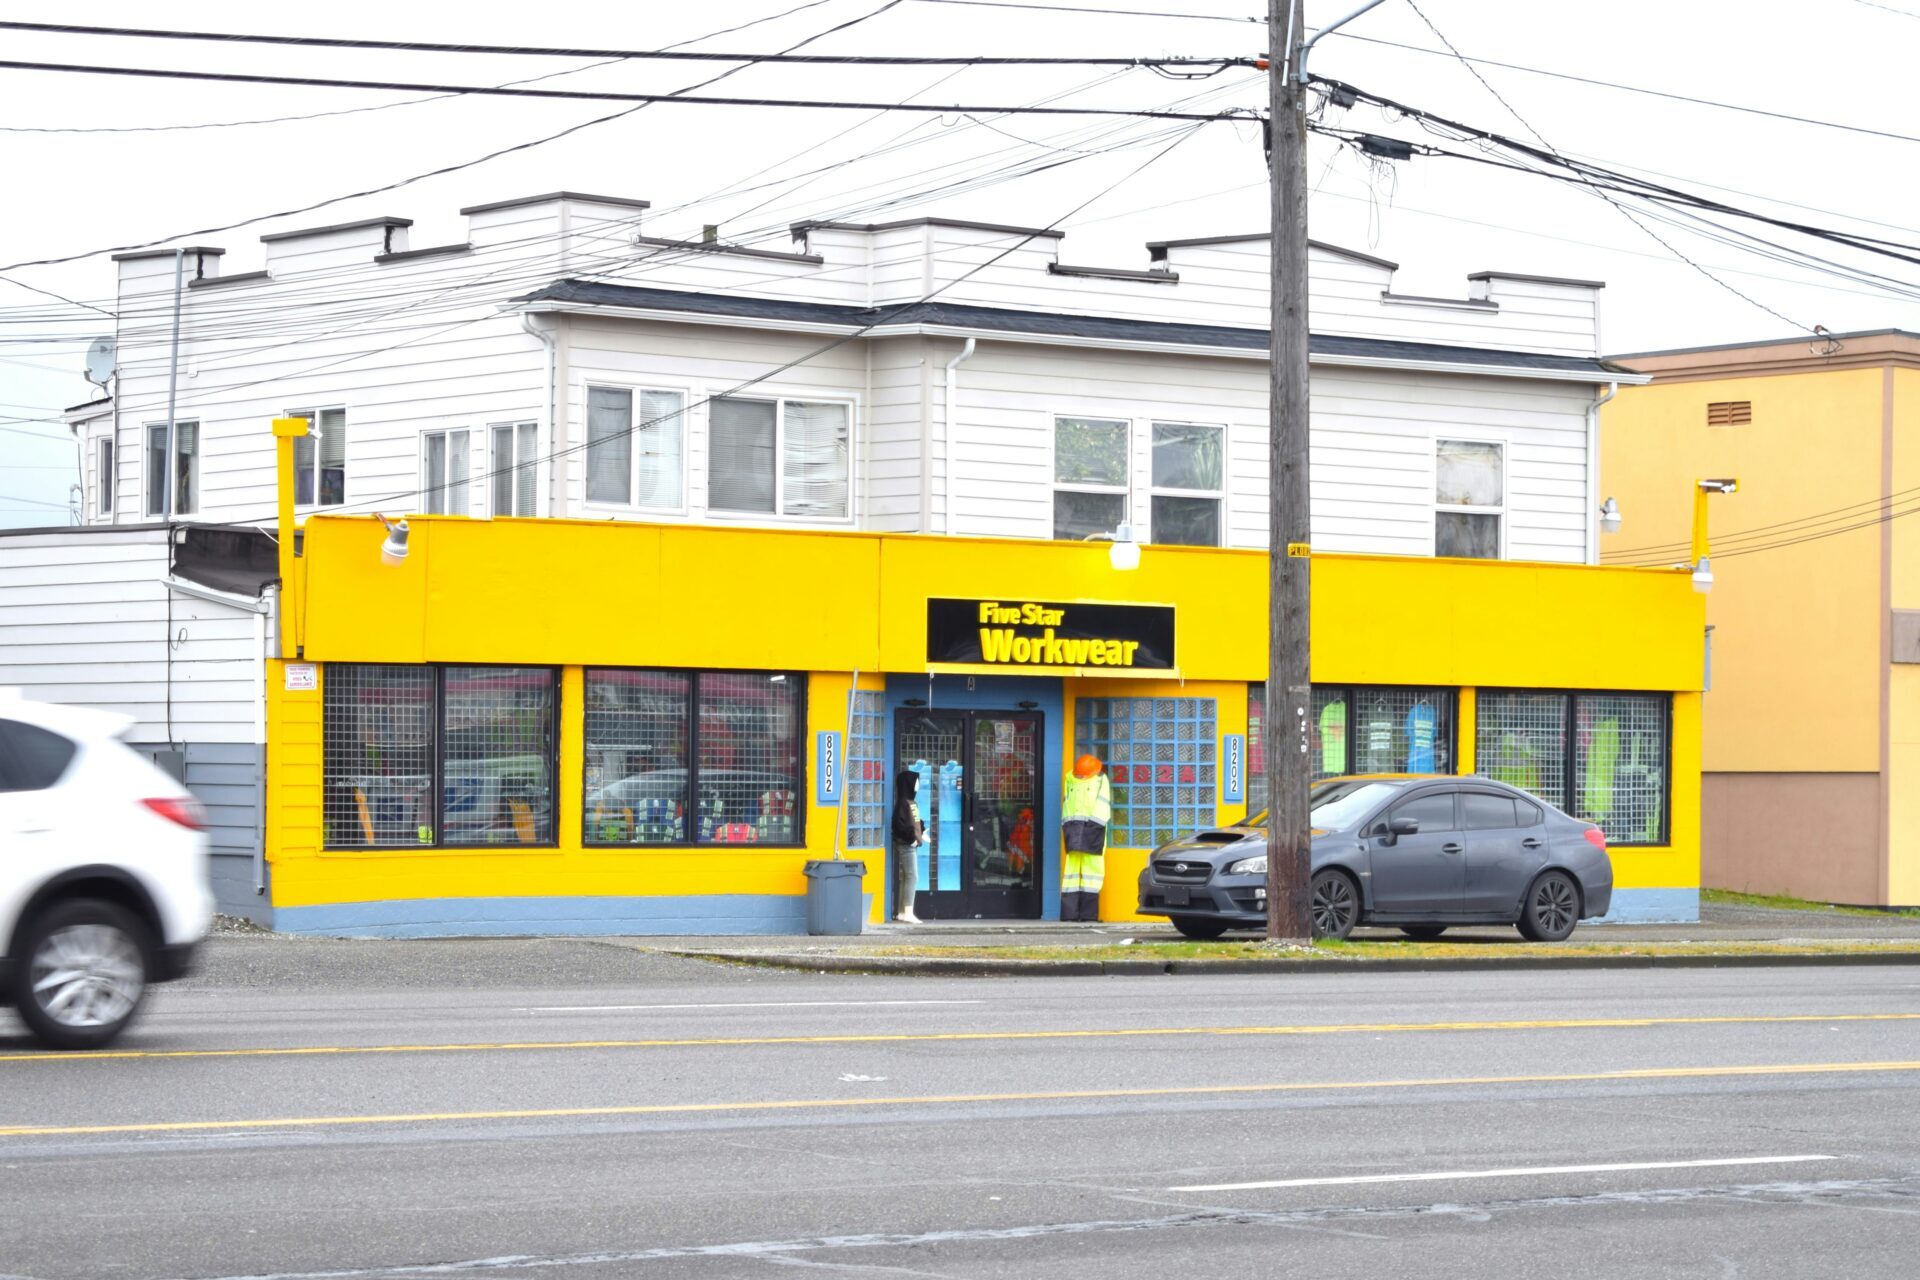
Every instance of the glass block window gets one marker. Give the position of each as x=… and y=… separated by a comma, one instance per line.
x=1602, y=757
x=693, y=757
x=438, y=756
x=1361, y=729
x=1160, y=757
x=638, y=733
x=866, y=783
x=497, y=753
x=378, y=756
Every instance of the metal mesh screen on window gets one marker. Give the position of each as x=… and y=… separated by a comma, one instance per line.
x=1521, y=740
x=749, y=775
x=1620, y=765
x=1392, y=730
x=377, y=756
x=1160, y=758
x=497, y=749
x=866, y=771
x=636, y=757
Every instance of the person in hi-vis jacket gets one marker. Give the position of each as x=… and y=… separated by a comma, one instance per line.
x=1086, y=807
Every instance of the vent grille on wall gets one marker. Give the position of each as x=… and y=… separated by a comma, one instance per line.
x=1730, y=413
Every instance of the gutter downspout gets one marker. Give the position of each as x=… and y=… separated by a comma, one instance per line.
x=549, y=339
x=260, y=745
x=953, y=394
x=1593, y=472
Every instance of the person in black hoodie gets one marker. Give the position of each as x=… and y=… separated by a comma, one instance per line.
x=909, y=833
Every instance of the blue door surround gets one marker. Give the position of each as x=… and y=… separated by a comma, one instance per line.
x=997, y=693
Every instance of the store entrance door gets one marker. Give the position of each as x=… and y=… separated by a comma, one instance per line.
x=980, y=799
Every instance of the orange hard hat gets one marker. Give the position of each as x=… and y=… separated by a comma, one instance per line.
x=1087, y=766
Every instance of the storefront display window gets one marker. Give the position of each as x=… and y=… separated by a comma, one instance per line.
x=867, y=799
x=704, y=757
x=1602, y=757
x=1160, y=757
x=1360, y=729
x=438, y=756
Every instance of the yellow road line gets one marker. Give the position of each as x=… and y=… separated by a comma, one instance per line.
x=925, y=1037
x=942, y=1099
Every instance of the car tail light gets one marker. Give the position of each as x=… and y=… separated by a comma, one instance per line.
x=1596, y=837
x=184, y=810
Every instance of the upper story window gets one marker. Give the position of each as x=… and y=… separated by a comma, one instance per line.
x=635, y=460
x=105, y=481
x=1189, y=484
x=514, y=465
x=1469, y=498
x=445, y=466
x=320, y=458
x=1089, y=476
x=785, y=457
x=186, y=479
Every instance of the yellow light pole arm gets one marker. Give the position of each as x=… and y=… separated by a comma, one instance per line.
x=1702, y=490
x=285, y=432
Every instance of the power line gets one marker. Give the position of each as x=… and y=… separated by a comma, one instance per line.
x=687, y=55
x=1798, y=525
x=1887, y=8
x=1068, y=8
x=465, y=164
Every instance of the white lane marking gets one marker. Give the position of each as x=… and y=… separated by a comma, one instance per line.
x=1537, y=1171
x=738, y=1004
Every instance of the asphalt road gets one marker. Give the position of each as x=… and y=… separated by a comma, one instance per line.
x=583, y=1110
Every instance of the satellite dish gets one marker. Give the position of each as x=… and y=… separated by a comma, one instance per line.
x=101, y=356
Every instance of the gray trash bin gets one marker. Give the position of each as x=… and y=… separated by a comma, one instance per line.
x=834, y=899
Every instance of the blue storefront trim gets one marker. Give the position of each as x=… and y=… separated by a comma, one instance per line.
x=718, y=913
x=1653, y=906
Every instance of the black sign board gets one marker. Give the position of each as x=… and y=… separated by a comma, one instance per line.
x=1024, y=635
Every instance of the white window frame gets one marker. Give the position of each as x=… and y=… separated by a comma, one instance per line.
x=1502, y=511
x=780, y=399
x=153, y=504
x=446, y=482
x=495, y=464
x=1057, y=485
x=314, y=433
x=636, y=390
x=1218, y=495
x=105, y=468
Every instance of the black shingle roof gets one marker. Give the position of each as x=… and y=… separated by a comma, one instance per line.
x=1046, y=324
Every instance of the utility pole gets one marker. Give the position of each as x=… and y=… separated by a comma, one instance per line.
x=1289, y=695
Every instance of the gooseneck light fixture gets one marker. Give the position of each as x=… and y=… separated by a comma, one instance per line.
x=394, y=549
x=1124, y=553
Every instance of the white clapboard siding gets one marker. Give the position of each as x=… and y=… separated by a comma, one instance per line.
x=86, y=620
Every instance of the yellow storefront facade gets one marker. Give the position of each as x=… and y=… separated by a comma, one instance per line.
x=553, y=726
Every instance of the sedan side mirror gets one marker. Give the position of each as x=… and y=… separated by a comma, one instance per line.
x=1404, y=826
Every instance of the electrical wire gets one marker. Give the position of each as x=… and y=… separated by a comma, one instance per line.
x=1069, y=8
x=689, y=55
x=1768, y=532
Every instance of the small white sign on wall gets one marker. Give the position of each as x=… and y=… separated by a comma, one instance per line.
x=303, y=677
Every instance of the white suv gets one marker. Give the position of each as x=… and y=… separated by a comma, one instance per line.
x=103, y=873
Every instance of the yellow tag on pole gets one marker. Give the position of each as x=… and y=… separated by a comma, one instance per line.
x=1298, y=550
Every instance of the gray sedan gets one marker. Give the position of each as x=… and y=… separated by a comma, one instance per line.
x=1420, y=853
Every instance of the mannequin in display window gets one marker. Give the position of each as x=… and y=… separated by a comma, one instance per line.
x=1085, y=810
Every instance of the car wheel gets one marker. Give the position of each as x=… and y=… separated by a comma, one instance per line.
x=1423, y=932
x=82, y=973
x=1551, y=908
x=1200, y=930
x=1335, y=905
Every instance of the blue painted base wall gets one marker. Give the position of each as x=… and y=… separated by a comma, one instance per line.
x=505, y=917
x=1653, y=906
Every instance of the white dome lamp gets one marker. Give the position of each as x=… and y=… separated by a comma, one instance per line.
x=394, y=549
x=1123, y=553
x=1610, y=516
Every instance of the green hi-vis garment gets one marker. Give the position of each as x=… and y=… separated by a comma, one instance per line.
x=1090, y=798
x=1333, y=738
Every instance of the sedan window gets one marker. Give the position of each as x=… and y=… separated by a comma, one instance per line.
x=1433, y=811
x=1484, y=812
x=31, y=758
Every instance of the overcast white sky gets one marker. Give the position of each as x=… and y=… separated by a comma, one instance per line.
x=1849, y=61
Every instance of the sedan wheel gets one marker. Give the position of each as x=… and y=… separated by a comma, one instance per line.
x=1335, y=904
x=1552, y=908
x=83, y=974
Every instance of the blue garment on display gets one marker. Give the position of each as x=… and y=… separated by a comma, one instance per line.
x=1421, y=731
x=923, y=796
x=949, y=835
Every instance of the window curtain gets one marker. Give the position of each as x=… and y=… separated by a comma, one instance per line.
x=815, y=466
x=740, y=448
x=660, y=431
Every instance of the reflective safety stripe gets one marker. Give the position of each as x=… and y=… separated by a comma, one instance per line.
x=1082, y=873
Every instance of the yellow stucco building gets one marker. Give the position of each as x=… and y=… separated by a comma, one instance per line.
x=549, y=725
x=1811, y=738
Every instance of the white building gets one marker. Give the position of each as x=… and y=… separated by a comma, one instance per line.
x=919, y=376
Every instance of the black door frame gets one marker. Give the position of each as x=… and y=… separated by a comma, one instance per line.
x=968, y=902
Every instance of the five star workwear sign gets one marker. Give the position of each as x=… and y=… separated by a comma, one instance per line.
x=1014, y=635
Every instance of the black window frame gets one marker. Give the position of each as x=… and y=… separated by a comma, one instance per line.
x=436, y=784
x=802, y=798
x=1570, y=747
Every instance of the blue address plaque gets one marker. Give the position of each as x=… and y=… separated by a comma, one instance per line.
x=1233, y=768
x=827, y=779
